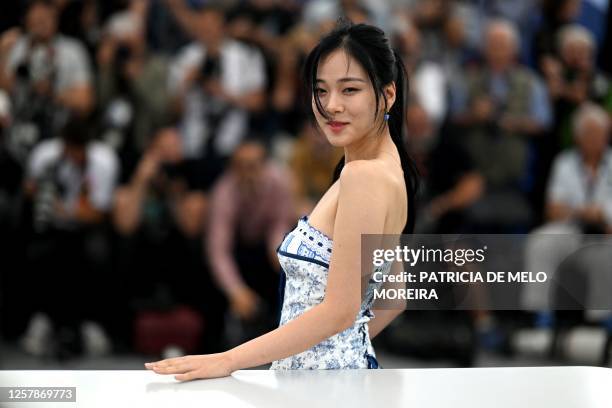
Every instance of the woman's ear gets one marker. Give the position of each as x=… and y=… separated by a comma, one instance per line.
x=389, y=91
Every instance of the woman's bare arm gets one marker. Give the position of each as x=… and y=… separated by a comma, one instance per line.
x=362, y=207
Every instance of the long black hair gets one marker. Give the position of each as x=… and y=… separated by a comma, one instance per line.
x=369, y=46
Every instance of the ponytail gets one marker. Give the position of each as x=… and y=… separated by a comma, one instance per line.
x=397, y=127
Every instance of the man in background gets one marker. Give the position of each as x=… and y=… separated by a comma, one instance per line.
x=47, y=75
x=251, y=210
x=70, y=182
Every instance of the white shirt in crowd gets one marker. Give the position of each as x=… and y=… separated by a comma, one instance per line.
x=242, y=71
x=65, y=58
x=569, y=182
x=99, y=176
x=429, y=82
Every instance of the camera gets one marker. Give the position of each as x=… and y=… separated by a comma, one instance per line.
x=210, y=68
x=122, y=55
x=23, y=71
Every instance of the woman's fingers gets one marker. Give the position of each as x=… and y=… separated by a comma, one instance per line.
x=193, y=367
x=173, y=366
x=178, y=368
x=170, y=370
x=170, y=361
x=158, y=363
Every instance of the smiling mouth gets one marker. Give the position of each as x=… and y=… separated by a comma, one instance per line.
x=336, y=126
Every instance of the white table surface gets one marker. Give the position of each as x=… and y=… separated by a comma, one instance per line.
x=537, y=387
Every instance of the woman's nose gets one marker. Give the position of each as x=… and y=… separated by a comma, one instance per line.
x=334, y=103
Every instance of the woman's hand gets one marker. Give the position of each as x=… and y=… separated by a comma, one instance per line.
x=194, y=367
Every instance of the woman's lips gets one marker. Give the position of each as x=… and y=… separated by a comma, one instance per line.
x=337, y=127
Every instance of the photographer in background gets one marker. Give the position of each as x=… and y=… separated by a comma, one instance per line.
x=572, y=79
x=580, y=189
x=70, y=182
x=499, y=107
x=216, y=83
x=162, y=178
x=47, y=75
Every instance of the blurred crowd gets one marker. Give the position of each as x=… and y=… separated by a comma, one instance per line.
x=153, y=153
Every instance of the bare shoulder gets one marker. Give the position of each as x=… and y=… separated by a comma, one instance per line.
x=377, y=185
x=370, y=177
x=366, y=173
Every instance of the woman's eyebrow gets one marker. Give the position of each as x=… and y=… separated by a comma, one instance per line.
x=345, y=79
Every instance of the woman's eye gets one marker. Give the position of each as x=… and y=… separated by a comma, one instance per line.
x=320, y=91
x=350, y=90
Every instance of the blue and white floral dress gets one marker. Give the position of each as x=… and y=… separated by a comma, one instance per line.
x=304, y=257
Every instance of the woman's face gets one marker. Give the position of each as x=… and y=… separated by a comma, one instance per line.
x=347, y=96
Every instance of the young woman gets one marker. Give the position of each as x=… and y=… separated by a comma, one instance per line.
x=357, y=85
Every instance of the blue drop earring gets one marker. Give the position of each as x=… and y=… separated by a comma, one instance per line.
x=386, y=116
